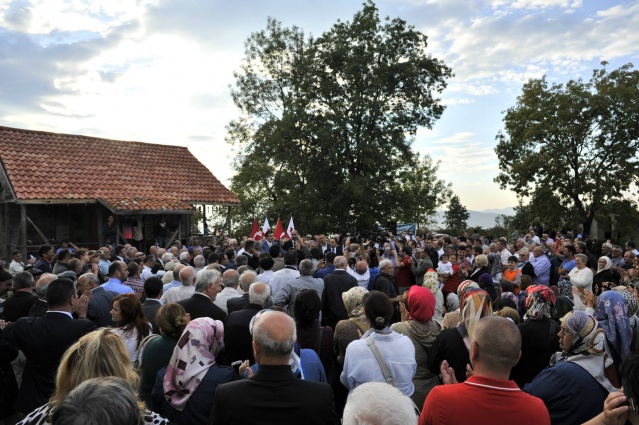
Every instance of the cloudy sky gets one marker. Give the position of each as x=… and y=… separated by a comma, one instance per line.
x=159, y=70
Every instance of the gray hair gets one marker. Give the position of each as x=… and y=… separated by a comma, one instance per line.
x=22, y=280
x=241, y=260
x=583, y=257
x=166, y=258
x=524, y=251
x=381, y=401
x=90, y=277
x=306, y=268
x=184, y=256
x=106, y=400
x=187, y=276
x=259, y=293
x=43, y=284
x=246, y=279
x=230, y=279
x=199, y=261
x=481, y=260
x=607, y=245
x=340, y=261
x=385, y=263
x=270, y=346
x=205, y=278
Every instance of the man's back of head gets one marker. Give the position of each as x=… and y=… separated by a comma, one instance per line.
x=274, y=337
x=259, y=293
x=267, y=263
x=246, y=279
x=274, y=251
x=230, y=278
x=496, y=347
x=176, y=272
x=59, y=293
x=377, y=403
x=340, y=262
x=329, y=257
x=153, y=287
x=290, y=258
x=187, y=276
x=306, y=268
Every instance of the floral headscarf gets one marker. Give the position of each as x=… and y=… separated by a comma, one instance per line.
x=540, y=302
x=421, y=303
x=612, y=315
x=354, y=302
x=474, y=305
x=633, y=306
x=431, y=281
x=510, y=296
x=608, y=264
x=194, y=353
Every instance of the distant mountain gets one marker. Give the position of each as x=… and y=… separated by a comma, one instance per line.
x=485, y=219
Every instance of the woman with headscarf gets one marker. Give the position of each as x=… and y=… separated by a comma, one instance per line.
x=574, y=386
x=184, y=390
x=422, y=329
x=349, y=330
x=538, y=335
x=431, y=282
x=612, y=315
x=453, y=345
x=633, y=307
x=602, y=279
x=453, y=317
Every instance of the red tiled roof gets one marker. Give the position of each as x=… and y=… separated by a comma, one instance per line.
x=52, y=166
x=139, y=204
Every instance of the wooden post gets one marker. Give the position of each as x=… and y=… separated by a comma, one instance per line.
x=23, y=230
x=38, y=231
x=99, y=216
x=228, y=221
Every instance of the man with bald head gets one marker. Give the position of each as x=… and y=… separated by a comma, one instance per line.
x=176, y=283
x=488, y=393
x=335, y=284
x=361, y=273
x=99, y=310
x=273, y=395
x=187, y=277
x=230, y=280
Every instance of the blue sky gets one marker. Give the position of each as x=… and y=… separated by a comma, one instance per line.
x=158, y=71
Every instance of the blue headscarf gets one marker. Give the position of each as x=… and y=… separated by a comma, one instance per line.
x=612, y=315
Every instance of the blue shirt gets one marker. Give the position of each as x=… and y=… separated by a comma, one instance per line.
x=374, y=273
x=103, y=265
x=115, y=285
x=325, y=271
x=174, y=284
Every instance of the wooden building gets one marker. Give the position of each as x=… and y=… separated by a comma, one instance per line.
x=60, y=186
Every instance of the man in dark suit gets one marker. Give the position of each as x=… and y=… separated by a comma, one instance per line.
x=22, y=300
x=99, y=310
x=237, y=337
x=43, y=340
x=209, y=284
x=335, y=284
x=273, y=395
x=334, y=247
x=151, y=305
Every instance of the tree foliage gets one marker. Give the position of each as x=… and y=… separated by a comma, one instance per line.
x=572, y=147
x=326, y=124
x=457, y=215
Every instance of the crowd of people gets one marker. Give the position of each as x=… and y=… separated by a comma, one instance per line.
x=386, y=329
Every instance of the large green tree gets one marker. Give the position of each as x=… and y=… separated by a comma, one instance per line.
x=326, y=124
x=577, y=141
x=456, y=216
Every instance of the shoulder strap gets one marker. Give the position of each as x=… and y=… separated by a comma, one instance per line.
x=382, y=364
x=145, y=341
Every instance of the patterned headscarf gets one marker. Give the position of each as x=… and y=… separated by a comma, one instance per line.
x=540, y=302
x=194, y=353
x=512, y=297
x=612, y=315
x=475, y=304
x=421, y=303
x=588, y=348
x=465, y=285
x=431, y=281
x=633, y=306
x=608, y=264
x=354, y=302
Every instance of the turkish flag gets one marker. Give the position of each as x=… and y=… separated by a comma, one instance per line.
x=279, y=230
x=255, y=232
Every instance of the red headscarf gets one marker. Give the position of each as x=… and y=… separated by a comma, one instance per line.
x=421, y=303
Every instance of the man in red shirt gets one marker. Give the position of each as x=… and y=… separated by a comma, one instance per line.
x=488, y=396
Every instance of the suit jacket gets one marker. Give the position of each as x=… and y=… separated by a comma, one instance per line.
x=236, y=304
x=99, y=311
x=200, y=305
x=237, y=338
x=420, y=270
x=333, y=309
x=43, y=340
x=150, y=309
x=39, y=308
x=18, y=305
x=273, y=396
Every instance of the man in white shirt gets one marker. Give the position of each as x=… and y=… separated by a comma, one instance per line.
x=173, y=295
x=289, y=272
x=361, y=273
x=230, y=279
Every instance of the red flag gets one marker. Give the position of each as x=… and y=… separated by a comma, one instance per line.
x=255, y=233
x=279, y=230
